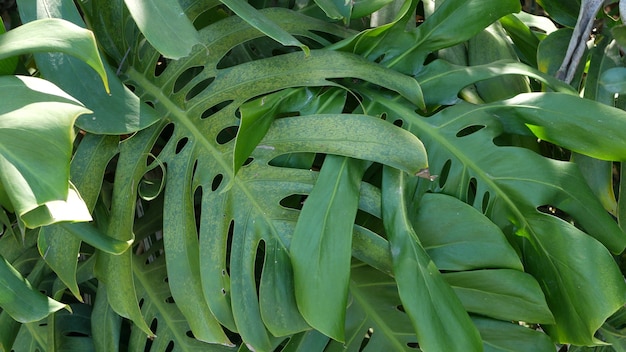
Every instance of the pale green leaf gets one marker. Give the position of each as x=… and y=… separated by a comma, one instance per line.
x=501, y=336
x=54, y=35
x=36, y=137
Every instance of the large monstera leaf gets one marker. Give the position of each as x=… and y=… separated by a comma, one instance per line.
x=251, y=223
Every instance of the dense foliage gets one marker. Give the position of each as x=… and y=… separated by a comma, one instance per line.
x=310, y=176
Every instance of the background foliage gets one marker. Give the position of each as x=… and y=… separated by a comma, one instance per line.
x=309, y=176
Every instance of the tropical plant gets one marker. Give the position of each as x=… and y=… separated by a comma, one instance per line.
x=310, y=176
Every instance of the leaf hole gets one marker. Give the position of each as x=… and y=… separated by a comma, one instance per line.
x=554, y=211
x=413, y=345
x=248, y=161
x=149, y=103
x=400, y=308
x=75, y=334
x=170, y=300
x=294, y=201
x=186, y=77
x=302, y=161
x=471, y=191
x=181, y=144
x=366, y=339
x=227, y=134
x=485, y=202
x=160, y=65
x=215, y=109
x=223, y=290
x=229, y=243
x=197, y=202
x=162, y=140
x=170, y=346
x=154, y=325
x=259, y=263
x=130, y=87
x=469, y=130
x=398, y=122
x=444, y=173
x=217, y=181
x=141, y=302
x=189, y=333
x=165, y=279
x=198, y=88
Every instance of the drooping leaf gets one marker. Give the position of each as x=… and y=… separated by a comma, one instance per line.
x=165, y=26
x=36, y=137
x=268, y=27
x=439, y=319
x=321, y=245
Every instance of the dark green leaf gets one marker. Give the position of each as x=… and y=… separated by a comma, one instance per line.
x=20, y=300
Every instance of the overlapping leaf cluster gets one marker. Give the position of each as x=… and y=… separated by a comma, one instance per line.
x=279, y=178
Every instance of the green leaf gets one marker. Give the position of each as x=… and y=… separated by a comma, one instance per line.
x=336, y=9
x=54, y=35
x=181, y=240
x=338, y=134
x=490, y=178
x=320, y=249
x=20, y=300
x=376, y=311
x=463, y=19
x=581, y=118
x=442, y=81
x=268, y=27
x=564, y=12
x=36, y=138
x=59, y=244
x=107, y=334
x=452, y=245
x=526, y=42
x=165, y=26
x=502, y=294
x=8, y=65
x=72, y=331
x=549, y=254
x=119, y=112
x=438, y=317
x=500, y=336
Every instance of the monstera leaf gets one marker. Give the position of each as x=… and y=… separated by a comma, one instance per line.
x=276, y=198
